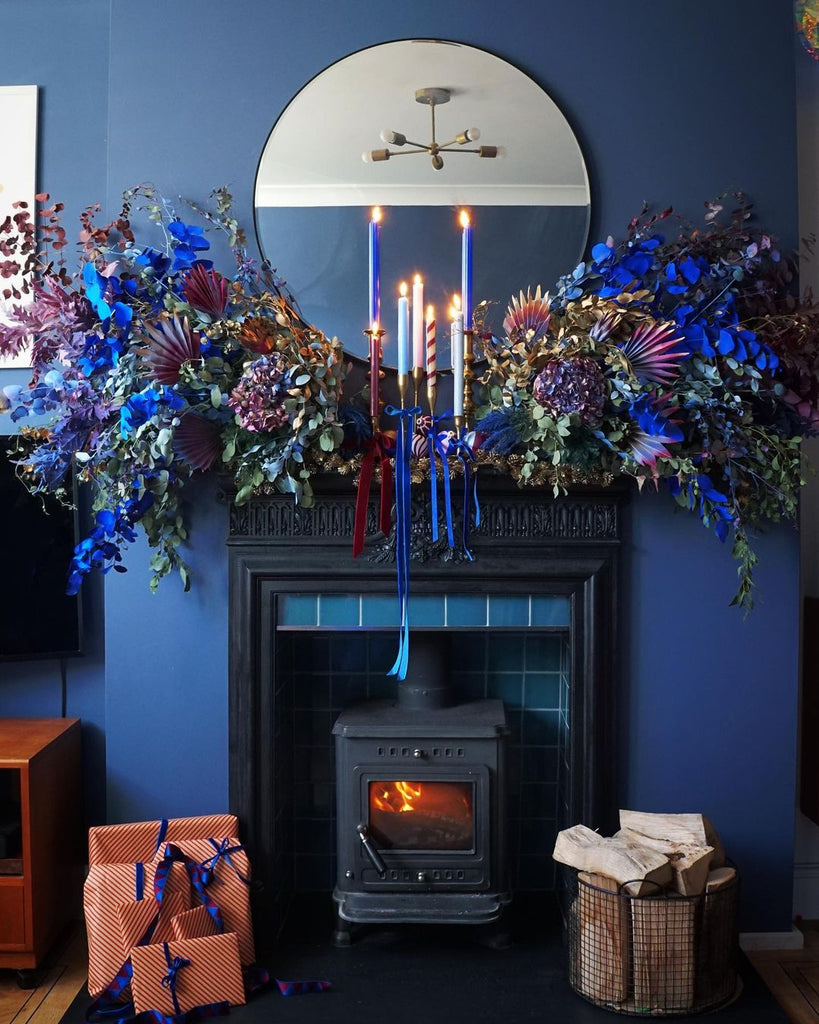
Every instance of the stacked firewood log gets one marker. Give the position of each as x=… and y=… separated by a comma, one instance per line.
x=639, y=935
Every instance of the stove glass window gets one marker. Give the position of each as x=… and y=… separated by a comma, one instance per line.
x=423, y=815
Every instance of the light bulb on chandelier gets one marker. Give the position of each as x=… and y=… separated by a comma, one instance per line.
x=431, y=97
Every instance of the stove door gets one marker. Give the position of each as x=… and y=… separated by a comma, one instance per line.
x=423, y=826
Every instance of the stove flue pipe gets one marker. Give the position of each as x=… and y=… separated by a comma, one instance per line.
x=427, y=683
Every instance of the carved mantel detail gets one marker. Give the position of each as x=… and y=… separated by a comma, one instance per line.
x=511, y=517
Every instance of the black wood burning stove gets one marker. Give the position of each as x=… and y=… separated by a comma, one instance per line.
x=421, y=804
x=528, y=542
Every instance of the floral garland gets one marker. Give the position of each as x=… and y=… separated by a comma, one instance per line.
x=685, y=361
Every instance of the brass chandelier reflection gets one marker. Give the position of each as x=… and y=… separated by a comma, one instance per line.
x=432, y=98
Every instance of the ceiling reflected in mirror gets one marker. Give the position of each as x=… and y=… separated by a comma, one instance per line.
x=529, y=201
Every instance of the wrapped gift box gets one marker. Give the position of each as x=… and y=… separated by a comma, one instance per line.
x=107, y=889
x=135, y=919
x=227, y=888
x=137, y=841
x=214, y=974
x=193, y=924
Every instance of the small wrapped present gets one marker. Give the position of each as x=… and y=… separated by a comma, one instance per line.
x=225, y=872
x=173, y=977
x=135, y=919
x=193, y=924
x=144, y=840
x=107, y=888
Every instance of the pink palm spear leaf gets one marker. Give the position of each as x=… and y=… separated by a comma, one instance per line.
x=653, y=430
x=171, y=344
x=206, y=290
x=527, y=316
x=655, y=351
x=198, y=441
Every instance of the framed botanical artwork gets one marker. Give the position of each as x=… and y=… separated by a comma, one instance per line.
x=18, y=166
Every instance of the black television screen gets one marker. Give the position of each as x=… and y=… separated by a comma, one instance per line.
x=37, y=539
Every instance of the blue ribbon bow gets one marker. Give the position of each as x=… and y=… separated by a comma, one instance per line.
x=223, y=851
x=175, y=965
x=403, y=516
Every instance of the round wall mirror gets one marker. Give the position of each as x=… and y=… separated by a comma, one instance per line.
x=521, y=177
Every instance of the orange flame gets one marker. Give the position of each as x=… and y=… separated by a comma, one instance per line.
x=397, y=796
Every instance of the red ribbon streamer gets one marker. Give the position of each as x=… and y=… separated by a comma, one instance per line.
x=375, y=447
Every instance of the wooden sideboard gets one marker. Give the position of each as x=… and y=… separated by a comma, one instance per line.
x=41, y=859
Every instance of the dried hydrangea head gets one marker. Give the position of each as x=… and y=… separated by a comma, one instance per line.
x=566, y=386
x=258, y=398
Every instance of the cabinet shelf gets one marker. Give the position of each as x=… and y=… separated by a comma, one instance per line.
x=41, y=866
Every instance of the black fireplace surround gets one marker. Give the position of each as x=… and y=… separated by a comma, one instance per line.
x=528, y=542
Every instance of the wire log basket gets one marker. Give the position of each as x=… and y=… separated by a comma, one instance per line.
x=654, y=955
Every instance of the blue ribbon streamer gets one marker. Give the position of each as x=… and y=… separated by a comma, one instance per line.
x=139, y=881
x=196, y=874
x=403, y=515
x=435, y=445
x=175, y=965
x=160, y=838
x=464, y=453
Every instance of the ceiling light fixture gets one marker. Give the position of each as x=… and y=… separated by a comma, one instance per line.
x=432, y=98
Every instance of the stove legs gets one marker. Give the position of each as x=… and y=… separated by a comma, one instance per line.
x=343, y=934
x=495, y=935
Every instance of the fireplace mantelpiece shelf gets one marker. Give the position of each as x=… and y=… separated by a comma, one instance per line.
x=530, y=543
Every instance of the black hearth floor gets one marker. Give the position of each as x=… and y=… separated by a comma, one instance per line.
x=440, y=975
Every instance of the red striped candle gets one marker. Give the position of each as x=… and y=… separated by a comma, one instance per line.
x=432, y=357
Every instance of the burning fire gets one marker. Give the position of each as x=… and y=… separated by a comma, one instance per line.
x=397, y=796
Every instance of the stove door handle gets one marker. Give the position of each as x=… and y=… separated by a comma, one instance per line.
x=370, y=850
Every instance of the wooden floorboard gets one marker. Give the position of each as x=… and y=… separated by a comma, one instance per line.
x=792, y=975
x=60, y=979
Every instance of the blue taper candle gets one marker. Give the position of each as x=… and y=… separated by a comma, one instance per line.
x=374, y=313
x=466, y=269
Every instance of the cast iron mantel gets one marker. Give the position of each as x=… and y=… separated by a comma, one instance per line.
x=529, y=542
x=507, y=512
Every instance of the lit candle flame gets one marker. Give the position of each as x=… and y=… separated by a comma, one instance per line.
x=375, y=216
x=464, y=219
x=417, y=279
x=375, y=327
x=403, y=289
x=456, y=303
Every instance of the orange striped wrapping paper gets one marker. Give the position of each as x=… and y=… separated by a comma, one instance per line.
x=214, y=974
x=193, y=924
x=135, y=917
x=106, y=889
x=228, y=891
x=136, y=841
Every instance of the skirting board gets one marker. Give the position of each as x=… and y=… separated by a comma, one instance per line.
x=794, y=939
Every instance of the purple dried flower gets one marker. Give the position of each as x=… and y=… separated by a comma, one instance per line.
x=258, y=398
x=575, y=385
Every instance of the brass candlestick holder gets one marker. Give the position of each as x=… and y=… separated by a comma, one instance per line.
x=432, y=395
x=469, y=377
x=417, y=377
x=403, y=385
x=376, y=375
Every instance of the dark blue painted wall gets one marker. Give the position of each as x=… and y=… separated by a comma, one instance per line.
x=668, y=107
x=63, y=48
